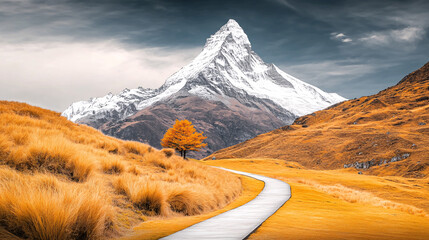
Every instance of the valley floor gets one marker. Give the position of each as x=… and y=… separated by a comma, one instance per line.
x=341, y=204
x=325, y=204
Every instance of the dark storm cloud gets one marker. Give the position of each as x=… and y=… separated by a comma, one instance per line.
x=353, y=48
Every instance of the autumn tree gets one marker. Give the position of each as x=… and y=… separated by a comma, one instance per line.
x=183, y=137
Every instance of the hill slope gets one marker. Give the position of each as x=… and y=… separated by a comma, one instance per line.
x=227, y=73
x=222, y=126
x=61, y=180
x=384, y=134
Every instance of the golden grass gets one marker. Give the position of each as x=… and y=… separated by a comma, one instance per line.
x=143, y=193
x=113, y=165
x=136, y=148
x=134, y=170
x=42, y=207
x=47, y=154
x=153, y=158
x=186, y=201
x=358, y=196
x=341, y=204
x=60, y=180
x=168, y=152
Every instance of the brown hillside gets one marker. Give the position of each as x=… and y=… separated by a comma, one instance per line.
x=222, y=125
x=383, y=134
x=60, y=180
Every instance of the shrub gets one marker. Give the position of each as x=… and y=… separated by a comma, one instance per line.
x=168, y=152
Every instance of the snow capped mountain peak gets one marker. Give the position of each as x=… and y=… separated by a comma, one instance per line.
x=225, y=69
x=230, y=29
x=232, y=23
x=230, y=39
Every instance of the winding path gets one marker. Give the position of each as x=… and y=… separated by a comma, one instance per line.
x=240, y=222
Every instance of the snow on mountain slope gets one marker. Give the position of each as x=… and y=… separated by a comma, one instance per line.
x=226, y=68
x=124, y=103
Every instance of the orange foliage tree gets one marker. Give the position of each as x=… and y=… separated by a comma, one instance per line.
x=183, y=137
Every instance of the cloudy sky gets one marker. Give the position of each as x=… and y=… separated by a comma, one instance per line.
x=55, y=52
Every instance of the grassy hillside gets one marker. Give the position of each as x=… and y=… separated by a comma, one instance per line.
x=60, y=180
x=382, y=134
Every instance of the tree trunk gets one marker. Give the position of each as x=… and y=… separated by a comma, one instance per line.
x=184, y=154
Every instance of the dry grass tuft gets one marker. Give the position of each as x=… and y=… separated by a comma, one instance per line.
x=134, y=170
x=51, y=154
x=150, y=197
x=157, y=159
x=81, y=167
x=160, y=198
x=135, y=147
x=20, y=138
x=186, y=201
x=28, y=112
x=41, y=207
x=168, y=152
x=113, y=165
x=111, y=146
x=146, y=195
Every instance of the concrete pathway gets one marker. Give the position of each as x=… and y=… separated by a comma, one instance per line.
x=240, y=222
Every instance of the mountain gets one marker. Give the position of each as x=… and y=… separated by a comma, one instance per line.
x=383, y=134
x=253, y=97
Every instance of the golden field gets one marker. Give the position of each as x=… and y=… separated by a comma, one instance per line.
x=340, y=204
x=60, y=180
x=368, y=130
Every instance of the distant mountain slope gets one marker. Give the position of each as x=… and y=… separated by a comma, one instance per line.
x=386, y=133
x=226, y=73
x=223, y=125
